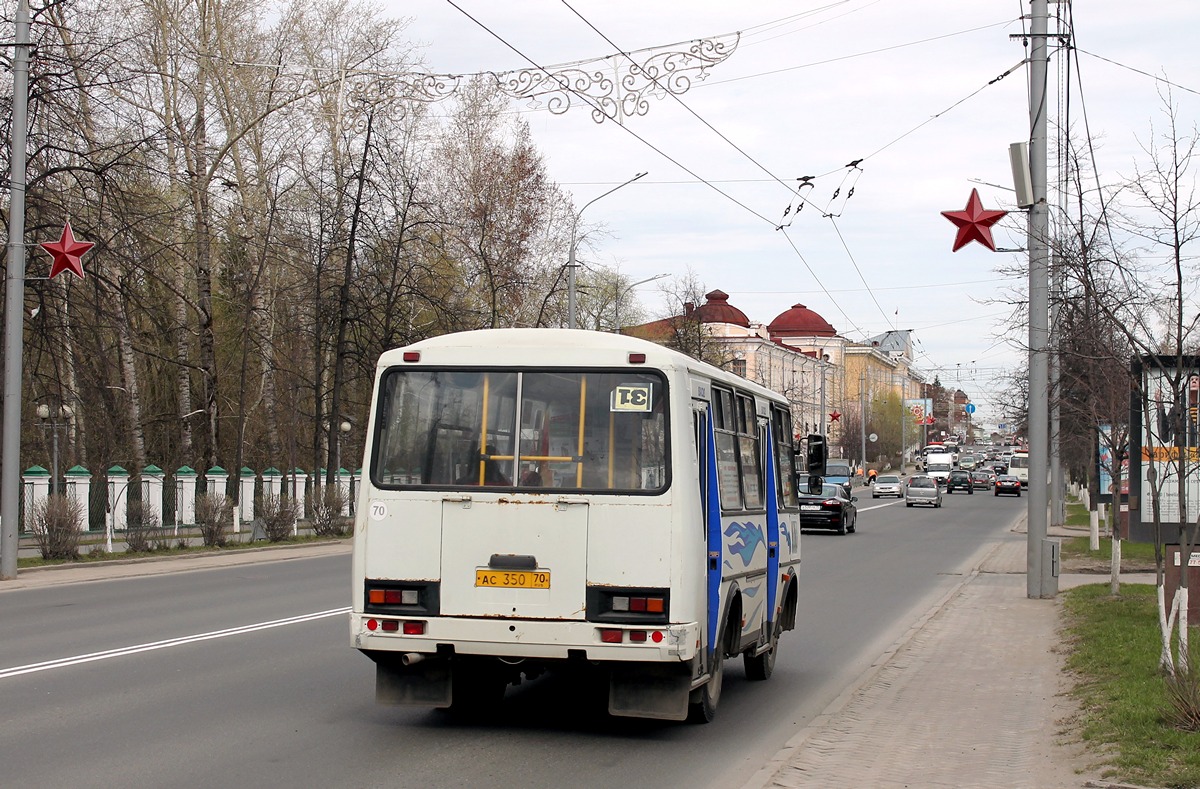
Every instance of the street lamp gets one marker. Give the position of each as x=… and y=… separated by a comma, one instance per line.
x=571, y=256
x=621, y=295
x=49, y=419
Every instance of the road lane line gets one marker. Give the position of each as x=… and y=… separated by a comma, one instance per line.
x=171, y=642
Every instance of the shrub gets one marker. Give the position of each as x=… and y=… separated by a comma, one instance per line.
x=56, y=526
x=1183, y=695
x=278, y=516
x=326, y=509
x=214, y=513
x=144, y=531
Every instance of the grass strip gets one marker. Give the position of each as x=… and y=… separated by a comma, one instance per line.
x=1113, y=657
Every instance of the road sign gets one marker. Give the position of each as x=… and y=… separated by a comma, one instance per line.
x=970, y=408
x=872, y=437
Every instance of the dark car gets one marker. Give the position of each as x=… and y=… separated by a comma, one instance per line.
x=981, y=478
x=959, y=480
x=1007, y=483
x=832, y=509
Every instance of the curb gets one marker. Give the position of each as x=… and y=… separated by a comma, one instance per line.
x=227, y=553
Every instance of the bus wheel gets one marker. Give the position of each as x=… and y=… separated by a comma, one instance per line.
x=759, y=667
x=704, y=710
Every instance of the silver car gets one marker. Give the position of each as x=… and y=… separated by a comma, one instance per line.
x=922, y=489
x=887, y=485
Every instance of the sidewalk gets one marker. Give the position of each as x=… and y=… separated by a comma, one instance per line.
x=51, y=575
x=970, y=696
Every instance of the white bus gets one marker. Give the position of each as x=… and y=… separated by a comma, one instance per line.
x=1018, y=466
x=543, y=499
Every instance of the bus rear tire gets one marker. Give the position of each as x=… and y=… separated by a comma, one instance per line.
x=760, y=667
x=705, y=709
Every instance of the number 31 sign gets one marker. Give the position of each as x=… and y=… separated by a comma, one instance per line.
x=631, y=397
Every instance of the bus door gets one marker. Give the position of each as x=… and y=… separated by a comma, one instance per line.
x=710, y=496
x=772, y=501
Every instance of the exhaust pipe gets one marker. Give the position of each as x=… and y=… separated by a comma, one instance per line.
x=409, y=658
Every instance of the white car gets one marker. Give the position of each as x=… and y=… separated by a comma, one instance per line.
x=887, y=485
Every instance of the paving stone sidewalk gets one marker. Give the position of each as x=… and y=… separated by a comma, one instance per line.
x=971, y=696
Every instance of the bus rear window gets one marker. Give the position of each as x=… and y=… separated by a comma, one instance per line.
x=603, y=431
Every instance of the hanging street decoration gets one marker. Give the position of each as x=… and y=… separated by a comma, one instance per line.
x=834, y=416
x=974, y=223
x=66, y=253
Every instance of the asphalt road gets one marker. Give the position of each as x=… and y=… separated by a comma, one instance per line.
x=244, y=676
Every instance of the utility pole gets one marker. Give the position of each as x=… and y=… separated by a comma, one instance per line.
x=1039, y=582
x=862, y=420
x=14, y=304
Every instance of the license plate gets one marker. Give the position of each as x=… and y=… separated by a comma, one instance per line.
x=810, y=507
x=513, y=579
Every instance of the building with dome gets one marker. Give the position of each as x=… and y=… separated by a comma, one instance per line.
x=800, y=355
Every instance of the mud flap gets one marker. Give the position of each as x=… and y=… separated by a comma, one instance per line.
x=639, y=690
x=426, y=683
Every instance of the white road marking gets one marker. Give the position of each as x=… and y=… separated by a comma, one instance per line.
x=171, y=642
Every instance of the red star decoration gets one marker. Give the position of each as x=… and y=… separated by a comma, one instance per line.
x=66, y=252
x=834, y=416
x=974, y=223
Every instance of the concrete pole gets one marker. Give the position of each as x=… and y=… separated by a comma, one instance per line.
x=862, y=420
x=14, y=304
x=1057, y=486
x=821, y=422
x=1039, y=330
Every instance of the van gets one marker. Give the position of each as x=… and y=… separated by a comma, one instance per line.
x=837, y=472
x=939, y=465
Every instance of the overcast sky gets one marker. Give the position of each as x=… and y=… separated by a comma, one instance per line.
x=906, y=87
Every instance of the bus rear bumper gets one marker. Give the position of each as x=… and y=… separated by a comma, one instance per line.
x=528, y=639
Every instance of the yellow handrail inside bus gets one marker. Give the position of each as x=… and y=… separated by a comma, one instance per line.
x=611, y=450
x=582, y=412
x=483, y=429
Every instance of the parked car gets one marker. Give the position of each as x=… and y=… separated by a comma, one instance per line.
x=959, y=480
x=832, y=509
x=1007, y=483
x=887, y=485
x=982, y=478
x=922, y=489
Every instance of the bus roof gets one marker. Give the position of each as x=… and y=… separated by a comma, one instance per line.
x=554, y=348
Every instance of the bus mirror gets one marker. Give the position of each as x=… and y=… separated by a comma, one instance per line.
x=814, y=485
x=816, y=455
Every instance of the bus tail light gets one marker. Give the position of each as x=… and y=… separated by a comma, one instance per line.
x=630, y=606
x=612, y=636
x=403, y=598
x=409, y=627
x=412, y=356
x=640, y=605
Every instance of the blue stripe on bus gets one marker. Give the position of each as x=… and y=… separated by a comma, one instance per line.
x=712, y=519
x=772, y=532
